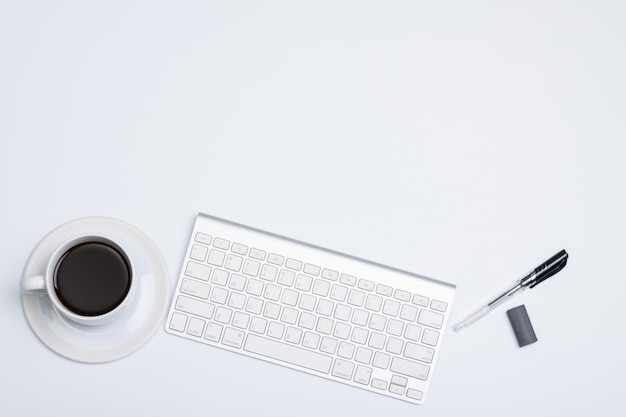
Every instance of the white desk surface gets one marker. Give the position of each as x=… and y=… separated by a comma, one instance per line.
x=467, y=141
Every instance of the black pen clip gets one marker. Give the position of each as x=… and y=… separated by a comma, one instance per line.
x=549, y=268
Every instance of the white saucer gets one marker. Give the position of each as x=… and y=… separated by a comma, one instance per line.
x=105, y=343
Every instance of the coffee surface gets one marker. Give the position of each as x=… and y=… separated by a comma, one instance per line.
x=92, y=278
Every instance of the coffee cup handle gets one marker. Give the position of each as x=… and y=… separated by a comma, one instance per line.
x=36, y=284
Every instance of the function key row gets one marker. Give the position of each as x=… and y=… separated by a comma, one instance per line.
x=225, y=244
x=240, y=249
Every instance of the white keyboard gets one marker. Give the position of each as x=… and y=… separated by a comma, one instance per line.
x=311, y=309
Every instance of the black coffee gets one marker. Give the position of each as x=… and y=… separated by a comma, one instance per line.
x=92, y=278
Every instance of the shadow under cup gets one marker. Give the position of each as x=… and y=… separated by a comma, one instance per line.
x=92, y=278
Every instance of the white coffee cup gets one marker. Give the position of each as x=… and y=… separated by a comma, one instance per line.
x=89, y=280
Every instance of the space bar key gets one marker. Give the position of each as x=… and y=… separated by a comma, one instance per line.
x=288, y=353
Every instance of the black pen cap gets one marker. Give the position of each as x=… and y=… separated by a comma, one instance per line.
x=550, y=267
x=522, y=327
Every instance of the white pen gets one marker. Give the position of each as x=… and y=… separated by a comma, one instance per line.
x=534, y=277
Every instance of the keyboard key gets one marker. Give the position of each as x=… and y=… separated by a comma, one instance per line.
x=419, y=352
x=330, y=275
x=271, y=311
x=196, y=270
x=338, y=293
x=360, y=317
x=198, y=252
x=254, y=305
x=343, y=312
x=203, y=238
x=430, y=318
x=233, y=337
x=366, y=285
x=237, y=282
x=290, y=297
x=379, y=384
x=223, y=315
x=363, y=355
x=272, y=292
x=241, y=320
x=438, y=305
x=307, y=320
x=196, y=327
x=377, y=340
x=342, y=330
x=257, y=254
x=409, y=368
x=373, y=302
x=221, y=243
x=237, y=300
x=289, y=315
x=420, y=300
x=396, y=389
x=193, y=306
x=395, y=327
x=399, y=380
x=268, y=272
x=348, y=280
x=362, y=375
x=384, y=290
x=356, y=297
x=321, y=287
x=394, y=345
x=213, y=332
x=311, y=340
x=413, y=332
x=239, y=248
x=258, y=325
x=408, y=312
x=359, y=335
x=402, y=295
x=329, y=345
x=233, y=262
x=381, y=360
x=293, y=264
x=178, y=322
x=219, y=295
x=303, y=282
x=391, y=307
x=430, y=337
x=293, y=335
x=251, y=267
x=275, y=259
x=415, y=394
x=216, y=257
x=286, y=277
x=276, y=330
x=220, y=277
x=343, y=369
x=311, y=269
x=195, y=288
x=324, y=325
x=346, y=350
x=325, y=307
x=378, y=322
x=307, y=302
x=255, y=287
x=288, y=353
